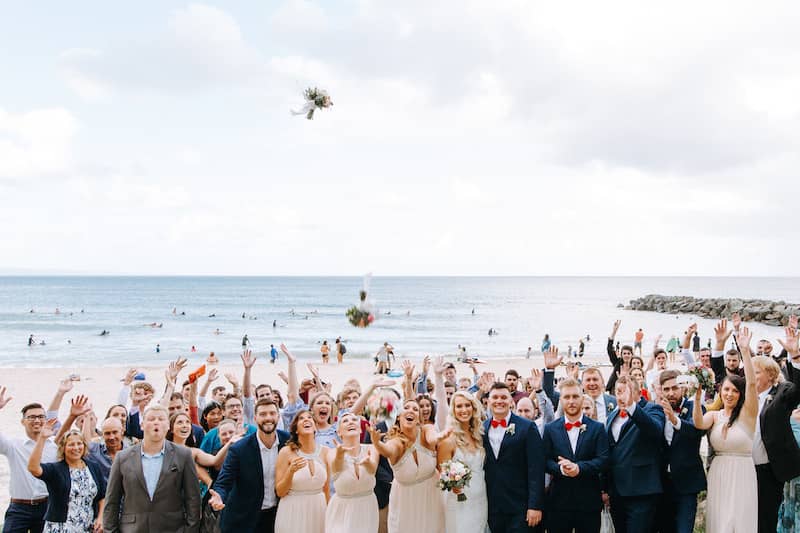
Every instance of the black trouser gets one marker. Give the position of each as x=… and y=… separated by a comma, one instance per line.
x=566, y=521
x=633, y=514
x=266, y=520
x=22, y=518
x=770, y=496
x=511, y=523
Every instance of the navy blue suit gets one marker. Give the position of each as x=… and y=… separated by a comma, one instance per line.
x=635, y=467
x=515, y=479
x=575, y=502
x=240, y=484
x=683, y=474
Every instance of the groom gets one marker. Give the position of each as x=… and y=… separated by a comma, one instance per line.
x=514, y=467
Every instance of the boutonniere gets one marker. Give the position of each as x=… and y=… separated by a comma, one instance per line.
x=510, y=429
x=684, y=411
x=769, y=397
x=583, y=428
x=610, y=406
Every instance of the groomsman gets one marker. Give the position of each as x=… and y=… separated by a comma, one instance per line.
x=592, y=384
x=576, y=453
x=635, y=431
x=683, y=474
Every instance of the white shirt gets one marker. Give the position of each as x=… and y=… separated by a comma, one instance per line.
x=496, y=435
x=573, y=434
x=759, y=450
x=22, y=485
x=269, y=457
x=670, y=428
x=600, y=404
x=616, y=425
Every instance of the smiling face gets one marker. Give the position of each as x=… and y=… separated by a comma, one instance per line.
x=321, y=408
x=267, y=418
x=120, y=413
x=425, y=409
x=74, y=448
x=592, y=382
x=450, y=374
x=730, y=394
x=350, y=399
x=213, y=417
x=638, y=375
x=181, y=427
x=500, y=403
x=409, y=416
x=349, y=426
x=732, y=362
x=32, y=420
x=705, y=357
x=305, y=424
x=463, y=410
x=588, y=407
x=233, y=409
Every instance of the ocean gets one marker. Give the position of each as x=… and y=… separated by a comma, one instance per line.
x=417, y=315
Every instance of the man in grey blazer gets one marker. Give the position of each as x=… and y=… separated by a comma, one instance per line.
x=153, y=485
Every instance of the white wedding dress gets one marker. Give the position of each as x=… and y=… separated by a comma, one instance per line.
x=472, y=515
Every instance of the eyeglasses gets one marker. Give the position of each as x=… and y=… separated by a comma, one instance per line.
x=35, y=417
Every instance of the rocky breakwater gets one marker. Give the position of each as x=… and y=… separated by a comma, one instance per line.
x=765, y=311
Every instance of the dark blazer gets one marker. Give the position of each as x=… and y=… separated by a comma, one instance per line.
x=616, y=362
x=581, y=493
x=240, y=483
x=515, y=480
x=776, y=430
x=56, y=477
x=175, y=506
x=549, y=389
x=133, y=428
x=635, y=460
x=683, y=455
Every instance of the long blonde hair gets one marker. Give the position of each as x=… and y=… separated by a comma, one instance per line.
x=475, y=422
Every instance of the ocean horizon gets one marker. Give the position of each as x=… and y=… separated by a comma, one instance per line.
x=417, y=314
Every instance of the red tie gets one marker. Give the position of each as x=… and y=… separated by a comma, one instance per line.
x=501, y=423
x=623, y=414
x=569, y=426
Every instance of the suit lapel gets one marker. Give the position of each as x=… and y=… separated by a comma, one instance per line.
x=138, y=471
x=506, y=436
x=583, y=429
x=487, y=446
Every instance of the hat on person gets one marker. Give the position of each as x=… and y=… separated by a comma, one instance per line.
x=139, y=377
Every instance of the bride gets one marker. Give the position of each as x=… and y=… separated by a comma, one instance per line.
x=465, y=444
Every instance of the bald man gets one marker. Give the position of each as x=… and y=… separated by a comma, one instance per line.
x=104, y=452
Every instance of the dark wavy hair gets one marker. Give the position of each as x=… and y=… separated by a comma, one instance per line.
x=294, y=441
x=190, y=442
x=741, y=386
x=427, y=398
x=210, y=406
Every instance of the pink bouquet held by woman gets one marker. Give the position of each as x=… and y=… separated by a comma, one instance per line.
x=454, y=474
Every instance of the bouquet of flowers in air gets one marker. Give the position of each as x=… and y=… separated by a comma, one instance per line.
x=315, y=99
x=362, y=315
x=382, y=406
x=697, y=376
x=454, y=474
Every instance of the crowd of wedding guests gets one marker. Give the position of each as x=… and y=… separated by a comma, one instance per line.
x=557, y=453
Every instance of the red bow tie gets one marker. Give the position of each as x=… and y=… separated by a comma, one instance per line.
x=623, y=414
x=569, y=426
x=501, y=423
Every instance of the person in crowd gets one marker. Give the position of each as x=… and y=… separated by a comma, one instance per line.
x=656, y=365
x=211, y=416
x=169, y=498
x=120, y=412
x=789, y=514
x=301, y=480
x=732, y=503
x=592, y=382
x=76, y=488
x=103, y=453
x=576, y=454
x=589, y=407
x=245, y=489
x=465, y=444
x=683, y=475
x=415, y=502
x=232, y=409
x=635, y=432
x=620, y=359
x=180, y=432
x=512, y=380
x=352, y=465
x=515, y=477
x=28, y=495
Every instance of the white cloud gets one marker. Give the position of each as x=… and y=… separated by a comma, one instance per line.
x=35, y=142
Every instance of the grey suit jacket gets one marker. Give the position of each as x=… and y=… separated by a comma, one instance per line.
x=176, y=501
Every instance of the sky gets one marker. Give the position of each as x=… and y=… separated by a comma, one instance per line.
x=466, y=138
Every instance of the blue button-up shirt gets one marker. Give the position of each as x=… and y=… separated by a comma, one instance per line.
x=151, y=467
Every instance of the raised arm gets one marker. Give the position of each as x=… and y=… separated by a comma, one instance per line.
x=292, y=387
x=64, y=386
x=248, y=360
x=35, y=460
x=392, y=450
x=612, y=353
x=171, y=375
x=750, y=409
x=361, y=403
x=439, y=393
x=408, y=380
x=213, y=374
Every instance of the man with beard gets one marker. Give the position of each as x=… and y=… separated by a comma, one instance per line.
x=576, y=454
x=682, y=475
x=592, y=385
x=245, y=488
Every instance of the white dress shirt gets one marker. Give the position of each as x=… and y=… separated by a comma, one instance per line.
x=670, y=428
x=573, y=433
x=759, y=450
x=600, y=405
x=616, y=425
x=22, y=485
x=269, y=457
x=496, y=435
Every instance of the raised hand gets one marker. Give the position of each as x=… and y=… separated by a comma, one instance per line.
x=793, y=321
x=374, y=434
x=408, y=368
x=175, y=368
x=574, y=370
x=438, y=437
x=129, y=375
x=341, y=450
x=215, y=501
x=79, y=406
x=232, y=379
x=744, y=338
x=289, y=357
x=536, y=379
x=669, y=412
x=382, y=382
x=737, y=321
x=791, y=342
x=248, y=358
x=213, y=374
x=438, y=366
x=64, y=386
x=296, y=464
x=283, y=376
x=48, y=429
x=426, y=364
x=615, y=329
x=551, y=358
x=722, y=333
x=314, y=371
x=3, y=398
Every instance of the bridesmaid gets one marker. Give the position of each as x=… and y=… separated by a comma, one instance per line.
x=415, y=501
x=301, y=480
x=354, y=507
